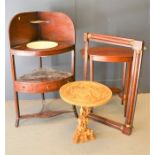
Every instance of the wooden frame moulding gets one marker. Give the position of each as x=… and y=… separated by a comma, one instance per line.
x=137, y=46
x=23, y=25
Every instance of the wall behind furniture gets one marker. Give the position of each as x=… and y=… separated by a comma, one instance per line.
x=128, y=18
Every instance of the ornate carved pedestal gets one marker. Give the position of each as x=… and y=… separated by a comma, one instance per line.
x=83, y=133
x=86, y=94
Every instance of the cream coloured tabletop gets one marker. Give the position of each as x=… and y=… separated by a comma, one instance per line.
x=85, y=94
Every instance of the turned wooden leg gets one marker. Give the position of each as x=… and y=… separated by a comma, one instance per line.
x=132, y=95
x=17, y=122
x=16, y=100
x=83, y=133
x=129, y=65
x=17, y=109
x=123, y=82
x=75, y=111
x=91, y=73
x=43, y=96
x=43, y=103
x=91, y=69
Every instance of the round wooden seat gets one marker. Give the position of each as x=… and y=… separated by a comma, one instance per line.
x=113, y=54
x=110, y=54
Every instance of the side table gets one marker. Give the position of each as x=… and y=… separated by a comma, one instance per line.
x=86, y=94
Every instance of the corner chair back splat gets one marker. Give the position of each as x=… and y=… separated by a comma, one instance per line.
x=137, y=47
x=53, y=27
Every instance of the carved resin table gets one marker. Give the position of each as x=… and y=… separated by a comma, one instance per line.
x=85, y=94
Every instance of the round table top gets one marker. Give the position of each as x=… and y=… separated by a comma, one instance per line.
x=85, y=93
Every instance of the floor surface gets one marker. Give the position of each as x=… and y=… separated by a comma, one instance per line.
x=53, y=136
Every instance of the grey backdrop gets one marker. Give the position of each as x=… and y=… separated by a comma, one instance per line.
x=127, y=18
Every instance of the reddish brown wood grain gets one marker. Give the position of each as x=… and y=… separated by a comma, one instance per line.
x=130, y=78
x=106, y=121
x=31, y=26
x=23, y=50
x=109, y=54
x=56, y=28
x=41, y=87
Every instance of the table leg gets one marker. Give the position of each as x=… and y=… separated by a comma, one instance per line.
x=83, y=133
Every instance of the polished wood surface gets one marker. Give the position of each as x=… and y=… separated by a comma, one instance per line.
x=42, y=80
x=110, y=54
x=41, y=87
x=106, y=121
x=23, y=50
x=45, y=114
x=131, y=76
x=56, y=26
x=28, y=27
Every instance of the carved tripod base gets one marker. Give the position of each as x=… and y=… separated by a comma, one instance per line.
x=83, y=133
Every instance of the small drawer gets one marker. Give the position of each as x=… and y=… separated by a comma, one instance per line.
x=23, y=87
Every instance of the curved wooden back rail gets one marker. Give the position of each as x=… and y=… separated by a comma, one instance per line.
x=33, y=26
x=137, y=47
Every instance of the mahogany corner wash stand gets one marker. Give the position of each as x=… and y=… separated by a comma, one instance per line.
x=137, y=47
x=41, y=34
